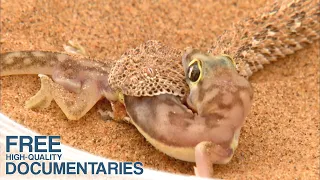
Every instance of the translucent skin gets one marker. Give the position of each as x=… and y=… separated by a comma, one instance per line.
x=276, y=31
x=221, y=99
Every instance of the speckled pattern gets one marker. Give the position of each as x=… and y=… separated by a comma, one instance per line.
x=280, y=137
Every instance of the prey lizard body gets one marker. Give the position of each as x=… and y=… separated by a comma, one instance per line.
x=153, y=76
x=88, y=78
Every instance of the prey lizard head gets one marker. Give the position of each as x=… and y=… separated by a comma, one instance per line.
x=206, y=130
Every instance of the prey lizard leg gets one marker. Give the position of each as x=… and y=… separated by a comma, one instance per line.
x=43, y=97
x=118, y=112
x=73, y=107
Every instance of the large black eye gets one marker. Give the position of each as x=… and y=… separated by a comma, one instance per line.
x=194, y=71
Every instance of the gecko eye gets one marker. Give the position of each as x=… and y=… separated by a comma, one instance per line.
x=194, y=70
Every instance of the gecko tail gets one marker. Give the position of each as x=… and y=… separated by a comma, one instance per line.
x=30, y=62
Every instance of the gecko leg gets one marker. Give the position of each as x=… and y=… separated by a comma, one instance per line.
x=73, y=107
x=207, y=154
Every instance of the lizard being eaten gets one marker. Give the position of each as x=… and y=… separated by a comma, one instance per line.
x=204, y=126
x=176, y=93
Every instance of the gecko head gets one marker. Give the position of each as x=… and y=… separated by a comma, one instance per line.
x=215, y=85
x=220, y=96
x=220, y=99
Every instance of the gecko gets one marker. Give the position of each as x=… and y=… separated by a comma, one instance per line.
x=273, y=33
x=281, y=30
x=213, y=112
x=221, y=99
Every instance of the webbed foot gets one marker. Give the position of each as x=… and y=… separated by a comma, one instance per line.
x=74, y=105
x=43, y=97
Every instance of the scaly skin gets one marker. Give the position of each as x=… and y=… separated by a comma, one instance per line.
x=274, y=32
x=278, y=31
x=221, y=99
x=149, y=69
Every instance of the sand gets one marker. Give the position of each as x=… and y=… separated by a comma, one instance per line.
x=280, y=138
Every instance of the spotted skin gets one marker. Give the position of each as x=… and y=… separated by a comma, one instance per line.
x=274, y=32
x=150, y=69
x=221, y=99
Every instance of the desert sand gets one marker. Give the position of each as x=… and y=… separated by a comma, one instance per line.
x=280, y=139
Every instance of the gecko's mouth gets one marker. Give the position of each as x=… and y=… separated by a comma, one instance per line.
x=185, y=101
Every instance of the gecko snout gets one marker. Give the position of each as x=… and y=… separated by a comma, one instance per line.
x=214, y=82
